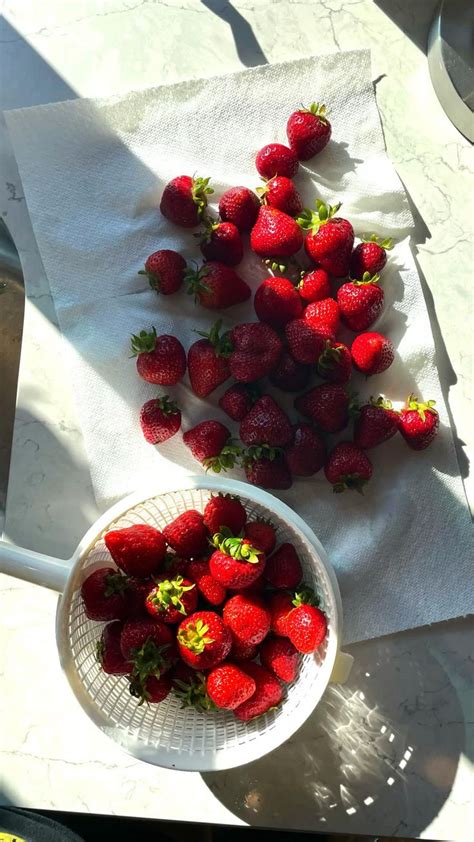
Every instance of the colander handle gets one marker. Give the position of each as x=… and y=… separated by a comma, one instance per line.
x=34, y=567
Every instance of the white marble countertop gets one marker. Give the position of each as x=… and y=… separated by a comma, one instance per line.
x=390, y=753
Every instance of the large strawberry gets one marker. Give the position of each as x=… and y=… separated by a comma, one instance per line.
x=370, y=256
x=257, y=348
x=149, y=646
x=228, y=686
x=261, y=534
x=160, y=359
x=171, y=599
x=348, y=467
x=360, y=302
x=375, y=423
x=275, y=234
x=208, y=361
x=109, y=653
x=199, y=572
x=240, y=206
x=289, y=375
x=150, y=689
x=372, y=353
x=165, y=271
x=160, y=419
x=241, y=651
x=247, y=617
x=276, y=159
x=335, y=363
x=224, y=510
x=419, y=423
x=283, y=569
x=238, y=400
x=330, y=238
x=306, y=340
x=235, y=563
x=280, y=605
x=280, y=192
x=314, y=286
x=184, y=200
x=216, y=286
x=323, y=313
x=138, y=550
x=276, y=302
x=268, y=693
x=103, y=594
x=221, y=241
x=266, y=468
x=306, y=454
x=203, y=640
x=307, y=628
x=186, y=534
x=279, y=656
x=266, y=423
x=210, y=444
x=308, y=130
x=327, y=405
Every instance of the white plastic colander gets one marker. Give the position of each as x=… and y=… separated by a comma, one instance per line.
x=166, y=734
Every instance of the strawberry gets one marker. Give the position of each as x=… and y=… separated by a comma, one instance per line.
x=224, y=510
x=190, y=688
x=242, y=651
x=360, y=302
x=276, y=302
x=369, y=257
x=327, y=405
x=210, y=444
x=308, y=131
x=290, y=375
x=247, y=617
x=261, y=534
x=203, y=640
x=160, y=359
x=186, y=534
x=335, y=363
x=208, y=364
x=235, y=563
x=268, y=693
x=138, y=550
x=165, y=271
x=266, y=423
x=151, y=689
x=238, y=400
x=324, y=313
x=348, y=467
x=229, y=687
x=216, y=286
x=171, y=599
x=375, y=423
x=137, y=592
x=372, y=353
x=280, y=192
x=184, y=200
x=109, y=653
x=240, y=206
x=103, y=594
x=330, y=238
x=307, y=341
x=419, y=423
x=175, y=565
x=145, y=631
x=280, y=605
x=276, y=159
x=221, y=241
x=257, y=348
x=283, y=569
x=160, y=419
x=306, y=454
x=280, y=657
x=275, y=234
x=307, y=627
x=314, y=286
x=267, y=468
x=200, y=573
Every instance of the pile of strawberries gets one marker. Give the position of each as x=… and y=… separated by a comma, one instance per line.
x=300, y=314
x=189, y=609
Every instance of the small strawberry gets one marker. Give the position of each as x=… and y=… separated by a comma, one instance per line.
x=247, y=617
x=335, y=363
x=257, y=348
x=208, y=361
x=266, y=468
x=306, y=340
x=268, y=693
x=160, y=419
x=171, y=599
x=280, y=606
x=210, y=444
x=277, y=301
x=307, y=628
x=360, y=302
x=203, y=640
x=221, y=241
x=151, y=689
x=308, y=131
x=314, y=286
x=235, y=563
x=290, y=375
x=109, y=653
x=160, y=359
x=186, y=534
x=184, y=200
x=165, y=271
x=103, y=594
x=330, y=238
x=372, y=353
x=242, y=651
x=327, y=405
x=261, y=534
x=224, y=510
x=275, y=234
x=348, y=467
x=306, y=454
x=216, y=286
x=283, y=569
x=229, y=687
x=324, y=313
x=266, y=423
x=280, y=657
x=276, y=159
x=240, y=206
x=190, y=687
x=375, y=423
x=369, y=257
x=138, y=550
x=238, y=400
x=200, y=573
x=280, y=192
x=419, y=423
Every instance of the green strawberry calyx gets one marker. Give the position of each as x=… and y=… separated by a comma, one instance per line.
x=350, y=481
x=305, y=596
x=412, y=403
x=169, y=594
x=210, y=226
x=222, y=344
x=366, y=280
x=276, y=265
x=193, y=693
x=143, y=342
x=225, y=460
x=200, y=191
x=310, y=220
x=330, y=357
x=154, y=279
x=238, y=548
x=194, y=636
x=260, y=451
x=167, y=406
x=386, y=244
x=149, y=659
x=317, y=109
x=100, y=651
x=195, y=279
x=381, y=402
x=115, y=584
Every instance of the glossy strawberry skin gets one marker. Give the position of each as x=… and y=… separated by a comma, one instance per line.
x=257, y=348
x=268, y=473
x=261, y=535
x=314, y=286
x=372, y=353
x=268, y=692
x=232, y=573
x=165, y=271
x=280, y=605
x=335, y=363
x=242, y=651
x=418, y=433
x=171, y=614
x=283, y=569
x=281, y=193
x=326, y=405
x=138, y=550
x=307, y=628
x=367, y=257
x=324, y=313
x=212, y=590
x=229, y=687
x=109, y=652
x=276, y=302
x=157, y=689
x=307, y=340
x=306, y=454
x=275, y=234
x=157, y=424
x=206, y=439
x=103, y=594
x=237, y=401
x=347, y=466
x=166, y=364
x=136, y=632
x=186, y=534
x=289, y=375
x=224, y=244
x=280, y=657
x=240, y=206
x=374, y=425
x=177, y=202
x=207, y=368
x=307, y=133
x=360, y=305
x=247, y=617
x=266, y=423
x=213, y=652
x=224, y=510
x=220, y=287
x=276, y=159
x=331, y=246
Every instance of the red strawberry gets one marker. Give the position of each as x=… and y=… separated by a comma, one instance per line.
x=203, y=640
x=224, y=510
x=186, y=534
x=419, y=423
x=324, y=313
x=174, y=565
x=307, y=627
x=275, y=234
x=209, y=442
x=208, y=363
x=335, y=363
x=103, y=594
x=330, y=239
x=261, y=534
x=306, y=454
x=247, y=617
x=150, y=689
x=268, y=693
x=279, y=656
x=327, y=405
x=216, y=286
x=184, y=200
x=372, y=353
x=308, y=131
x=242, y=651
x=235, y=563
x=190, y=687
x=229, y=687
x=348, y=467
x=160, y=359
x=280, y=605
x=266, y=423
x=138, y=550
x=314, y=286
x=137, y=592
x=283, y=569
x=280, y=192
x=171, y=599
x=276, y=159
x=276, y=302
x=376, y=422
x=222, y=241
x=238, y=400
x=109, y=653
x=165, y=271
x=240, y=206
x=212, y=590
x=257, y=349
x=290, y=375
x=307, y=341
x=160, y=419
x=360, y=302
x=266, y=468
x=369, y=257
x=149, y=646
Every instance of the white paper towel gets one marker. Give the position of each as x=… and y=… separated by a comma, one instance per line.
x=93, y=173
